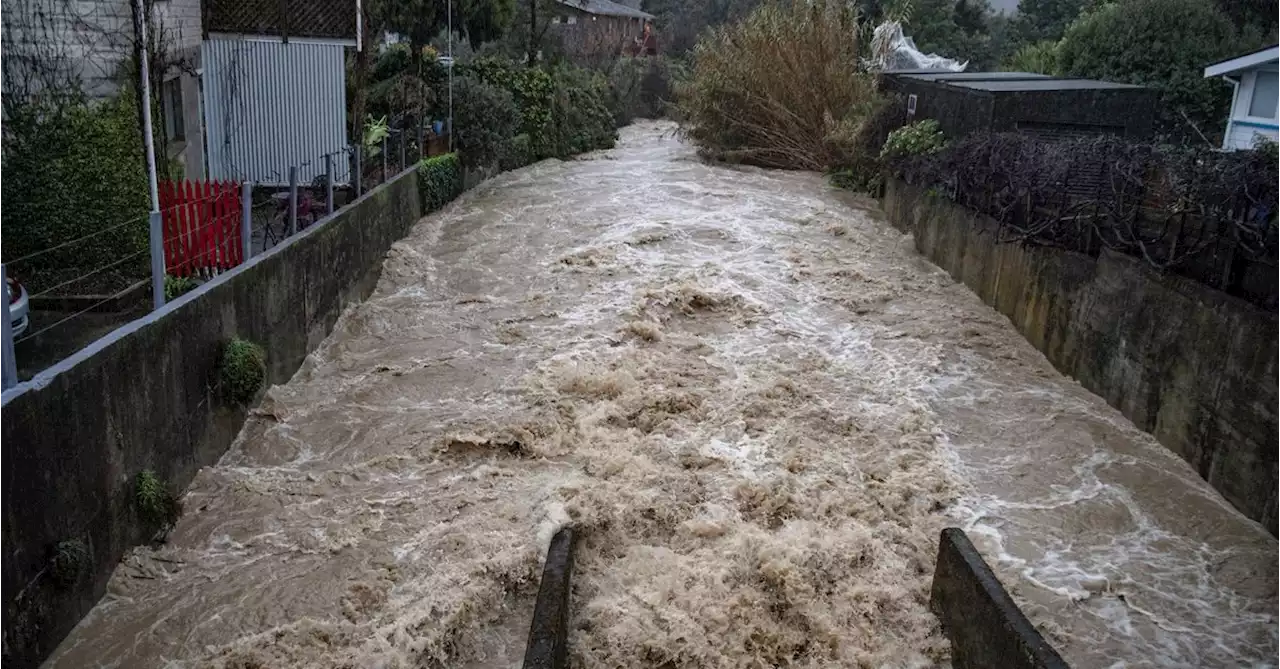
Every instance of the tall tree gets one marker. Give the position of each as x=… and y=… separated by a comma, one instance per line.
x=1040, y=20
x=953, y=28
x=1164, y=44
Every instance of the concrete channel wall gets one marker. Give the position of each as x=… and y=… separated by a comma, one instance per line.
x=1191, y=365
x=76, y=436
x=985, y=628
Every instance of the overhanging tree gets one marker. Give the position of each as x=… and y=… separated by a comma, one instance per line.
x=1163, y=44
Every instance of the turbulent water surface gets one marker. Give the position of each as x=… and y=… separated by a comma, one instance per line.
x=752, y=397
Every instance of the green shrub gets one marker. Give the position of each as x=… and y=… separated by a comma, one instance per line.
x=532, y=90
x=157, y=507
x=242, y=371
x=70, y=559
x=176, y=286
x=1040, y=58
x=862, y=167
x=439, y=181
x=70, y=171
x=783, y=88
x=485, y=119
x=916, y=139
x=580, y=112
x=519, y=153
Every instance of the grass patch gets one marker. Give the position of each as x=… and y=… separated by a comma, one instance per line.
x=157, y=507
x=242, y=371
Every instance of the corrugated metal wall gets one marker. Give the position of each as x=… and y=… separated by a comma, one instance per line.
x=270, y=105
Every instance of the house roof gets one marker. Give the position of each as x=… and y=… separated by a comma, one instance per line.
x=606, y=8
x=1230, y=66
x=1000, y=82
x=323, y=19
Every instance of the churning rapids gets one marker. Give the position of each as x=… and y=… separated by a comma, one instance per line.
x=757, y=403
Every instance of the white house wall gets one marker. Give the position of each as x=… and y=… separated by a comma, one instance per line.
x=92, y=37
x=269, y=105
x=1242, y=130
x=1243, y=136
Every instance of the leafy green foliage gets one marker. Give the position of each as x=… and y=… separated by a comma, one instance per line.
x=1040, y=57
x=375, y=131
x=439, y=181
x=176, y=286
x=783, y=88
x=1255, y=19
x=917, y=139
x=863, y=167
x=518, y=154
x=1046, y=20
x=531, y=89
x=953, y=28
x=157, y=507
x=420, y=20
x=1164, y=44
x=70, y=171
x=563, y=110
x=485, y=119
x=70, y=559
x=580, y=110
x=242, y=370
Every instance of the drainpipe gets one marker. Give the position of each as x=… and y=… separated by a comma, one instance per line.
x=1231, y=115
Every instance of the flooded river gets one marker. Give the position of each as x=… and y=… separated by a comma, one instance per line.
x=757, y=403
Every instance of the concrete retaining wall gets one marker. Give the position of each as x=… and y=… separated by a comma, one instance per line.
x=75, y=436
x=985, y=627
x=1191, y=365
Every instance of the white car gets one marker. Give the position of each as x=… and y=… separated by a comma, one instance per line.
x=17, y=306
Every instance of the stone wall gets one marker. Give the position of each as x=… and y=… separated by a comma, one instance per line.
x=76, y=436
x=1191, y=365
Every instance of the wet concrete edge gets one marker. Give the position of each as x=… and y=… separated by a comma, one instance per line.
x=986, y=629
x=549, y=633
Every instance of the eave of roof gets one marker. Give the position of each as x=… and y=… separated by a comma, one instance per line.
x=1230, y=66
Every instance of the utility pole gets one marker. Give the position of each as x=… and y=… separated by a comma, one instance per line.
x=144, y=58
x=450, y=4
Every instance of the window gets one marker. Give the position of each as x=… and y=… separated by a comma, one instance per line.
x=555, y=19
x=171, y=97
x=1265, y=92
x=571, y=20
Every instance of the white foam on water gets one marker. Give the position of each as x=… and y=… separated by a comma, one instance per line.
x=756, y=405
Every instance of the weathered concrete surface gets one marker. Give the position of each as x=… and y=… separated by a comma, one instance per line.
x=142, y=398
x=1191, y=365
x=985, y=627
x=548, y=646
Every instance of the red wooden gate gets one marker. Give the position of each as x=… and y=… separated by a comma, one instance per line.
x=201, y=221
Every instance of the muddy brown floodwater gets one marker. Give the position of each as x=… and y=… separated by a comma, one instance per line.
x=755, y=400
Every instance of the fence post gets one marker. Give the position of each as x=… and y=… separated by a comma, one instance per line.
x=359, y=149
x=157, y=260
x=384, y=155
x=422, y=147
x=293, y=200
x=10, y=363
x=404, y=150
x=246, y=218
x=328, y=182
